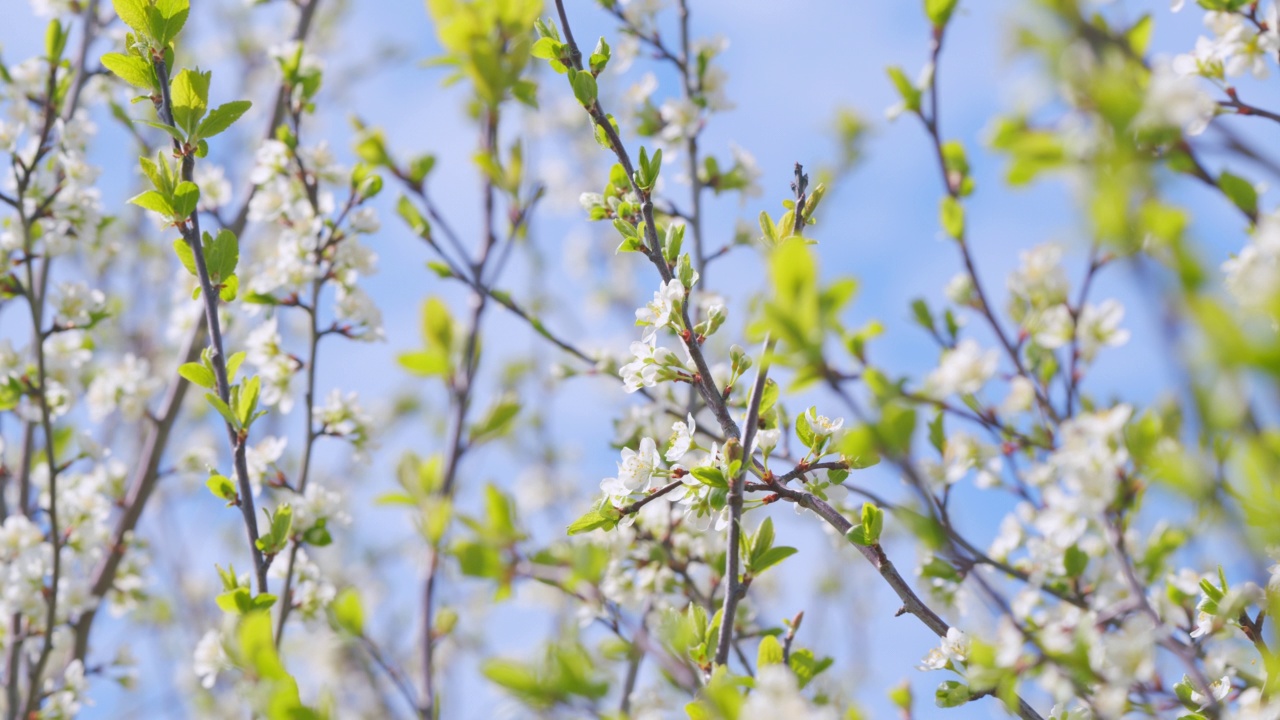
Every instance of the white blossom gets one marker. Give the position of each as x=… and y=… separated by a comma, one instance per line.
x=963, y=370
x=663, y=310
x=681, y=439
x=210, y=658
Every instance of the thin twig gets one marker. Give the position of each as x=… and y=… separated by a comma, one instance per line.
x=736, y=589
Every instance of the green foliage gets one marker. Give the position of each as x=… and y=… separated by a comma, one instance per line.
x=223, y=489
x=346, y=613
x=436, y=359
x=952, y=216
x=565, y=673
x=488, y=44
x=280, y=527
x=159, y=21
x=951, y=693
x=867, y=532
x=760, y=553
x=605, y=517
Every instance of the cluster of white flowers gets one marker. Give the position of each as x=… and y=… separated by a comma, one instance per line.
x=342, y=416
x=650, y=365
x=1038, y=284
x=964, y=370
x=1098, y=326
x=317, y=504
x=264, y=349
x=664, y=310
x=25, y=560
x=300, y=246
x=1253, y=275
x=962, y=454
x=1175, y=99
x=1237, y=47
x=777, y=695
x=635, y=471
x=312, y=592
x=261, y=459
x=126, y=386
x=210, y=658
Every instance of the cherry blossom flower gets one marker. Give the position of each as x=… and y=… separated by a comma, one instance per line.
x=663, y=310
x=963, y=370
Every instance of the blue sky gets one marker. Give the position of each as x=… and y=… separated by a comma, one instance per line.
x=791, y=65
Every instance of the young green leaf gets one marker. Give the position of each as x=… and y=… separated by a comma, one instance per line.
x=606, y=516
x=198, y=374
x=769, y=652
x=347, y=614
x=153, y=201
x=951, y=213
x=223, y=489
x=133, y=13
x=185, y=199
x=189, y=95
x=222, y=117
x=132, y=69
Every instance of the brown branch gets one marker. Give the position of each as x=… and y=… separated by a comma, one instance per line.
x=733, y=551
x=146, y=469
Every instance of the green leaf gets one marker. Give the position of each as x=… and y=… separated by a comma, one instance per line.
x=410, y=214
x=939, y=11
x=222, y=409
x=222, y=117
x=347, y=613
x=258, y=649
x=897, y=423
x=153, y=201
x=951, y=694
x=281, y=525
x=235, y=602
x=425, y=363
x=606, y=516
x=230, y=287
x=166, y=18
x=185, y=199
x=222, y=488
x=185, y=256
x=872, y=522
x=420, y=167
x=1240, y=192
x=858, y=446
x=133, y=13
x=909, y=93
x=806, y=667
x=169, y=130
x=233, y=364
x=804, y=430
x=952, y=216
x=710, y=475
x=546, y=49
x=132, y=69
x=771, y=557
x=318, y=534
x=248, y=401
x=769, y=652
x=763, y=539
x=923, y=318
x=221, y=255
x=1075, y=561
x=198, y=374
x=584, y=87
x=858, y=536
x=496, y=422
x=600, y=57
x=189, y=95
